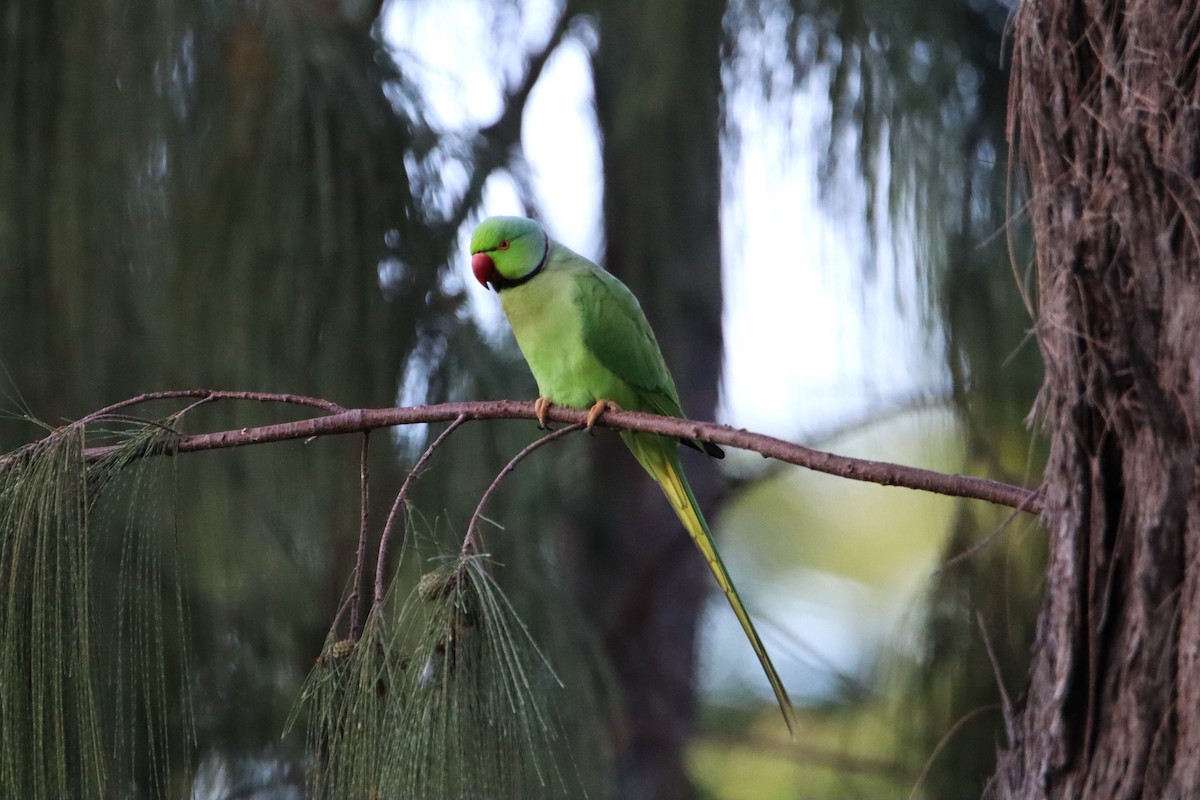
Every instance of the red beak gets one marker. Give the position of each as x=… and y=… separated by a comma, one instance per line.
x=483, y=267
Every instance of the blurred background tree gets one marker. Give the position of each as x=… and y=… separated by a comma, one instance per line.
x=256, y=196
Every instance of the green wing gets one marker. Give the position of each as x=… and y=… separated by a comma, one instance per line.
x=616, y=332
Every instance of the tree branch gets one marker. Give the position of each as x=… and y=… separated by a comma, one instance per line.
x=401, y=501
x=356, y=610
x=364, y=419
x=495, y=143
x=471, y=542
x=206, y=395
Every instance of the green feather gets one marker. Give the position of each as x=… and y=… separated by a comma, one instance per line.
x=586, y=339
x=616, y=332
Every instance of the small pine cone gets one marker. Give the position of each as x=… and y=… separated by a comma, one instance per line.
x=340, y=649
x=436, y=585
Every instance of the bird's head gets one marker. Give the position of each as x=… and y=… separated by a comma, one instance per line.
x=507, y=251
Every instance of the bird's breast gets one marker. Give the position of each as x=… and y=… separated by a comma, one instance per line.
x=549, y=331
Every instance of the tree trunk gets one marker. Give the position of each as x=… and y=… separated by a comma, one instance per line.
x=1106, y=96
x=658, y=84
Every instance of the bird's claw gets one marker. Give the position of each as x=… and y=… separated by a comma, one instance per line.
x=597, y=410
x=541, y=408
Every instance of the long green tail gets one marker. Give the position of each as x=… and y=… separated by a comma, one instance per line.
x=660, y=458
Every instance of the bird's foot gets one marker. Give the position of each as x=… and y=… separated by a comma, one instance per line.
x=597, y=410
x=541, y=407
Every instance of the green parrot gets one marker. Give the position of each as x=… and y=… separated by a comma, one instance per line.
x=588, y=344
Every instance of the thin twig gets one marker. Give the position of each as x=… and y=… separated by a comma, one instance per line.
x=133, y=420
x=495, y=144
x=1006, y=706
x=213, y=394
x=356, y=615
x=472, y=527
x=341, y=612
x=979, y=546
x=359, y=420
x=946, y=737
x=183, y=412
x=402, y=500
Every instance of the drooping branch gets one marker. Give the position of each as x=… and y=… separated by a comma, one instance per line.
x=402, y=500
x=471, y=542
x=364, y=419
x=356, y=610
x=207, y=395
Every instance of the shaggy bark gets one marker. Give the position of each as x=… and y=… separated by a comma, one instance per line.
x=1106, y=100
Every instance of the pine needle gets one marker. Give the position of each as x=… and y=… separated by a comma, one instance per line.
x=84, y=690
x=451, y=699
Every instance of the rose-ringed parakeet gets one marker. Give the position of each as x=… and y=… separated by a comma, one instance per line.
x=588, y=344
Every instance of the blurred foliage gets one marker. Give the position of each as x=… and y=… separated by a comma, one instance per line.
x=91, y=660
x=918, y=96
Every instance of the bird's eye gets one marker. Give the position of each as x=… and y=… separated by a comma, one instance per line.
x=504, y=244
